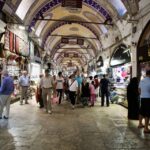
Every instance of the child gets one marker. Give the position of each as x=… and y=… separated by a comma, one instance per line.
x=92, y=93
x=85, y=93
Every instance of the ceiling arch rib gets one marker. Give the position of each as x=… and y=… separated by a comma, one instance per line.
x=62, y=24
x=86, y=47
x=91, y=3
x=86, y=15
x=64, y=29
x=72, y=52
x=62, y=50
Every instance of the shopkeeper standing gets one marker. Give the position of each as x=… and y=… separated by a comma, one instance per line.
x=24, y=83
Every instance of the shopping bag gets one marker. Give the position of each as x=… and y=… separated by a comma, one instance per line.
x=55, y=100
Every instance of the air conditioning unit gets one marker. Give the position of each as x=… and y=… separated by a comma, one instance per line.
x=134, y=29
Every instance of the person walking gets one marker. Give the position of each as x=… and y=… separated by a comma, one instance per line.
x=104, y=83
x=24, y=82
x=39, y=93
x=46, y=84
x=85, y=93
x=96, y=84
x=73, y=89
x=59, y=86
x=79, y=79
x=6, y=89
x=144, y=89
x=92, y=93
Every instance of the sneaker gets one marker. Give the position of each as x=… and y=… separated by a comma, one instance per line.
x=50, y=112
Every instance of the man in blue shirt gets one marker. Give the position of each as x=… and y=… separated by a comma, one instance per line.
x=144, y=88
x=79, y=80
x=6, y=89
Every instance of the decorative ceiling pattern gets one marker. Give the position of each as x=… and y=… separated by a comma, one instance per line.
x=90, y=25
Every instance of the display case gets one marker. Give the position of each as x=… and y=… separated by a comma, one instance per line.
x=121, y=90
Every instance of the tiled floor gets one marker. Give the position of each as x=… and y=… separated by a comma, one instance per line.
x=97, y=128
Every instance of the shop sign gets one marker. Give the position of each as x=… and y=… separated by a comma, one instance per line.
x=72, y=3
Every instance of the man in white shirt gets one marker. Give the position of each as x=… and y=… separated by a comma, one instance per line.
x=24, y=83
x=46, y=85
x=59, y=86
x=73, y=91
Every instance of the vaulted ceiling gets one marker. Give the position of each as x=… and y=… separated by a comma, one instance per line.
x=49, y=21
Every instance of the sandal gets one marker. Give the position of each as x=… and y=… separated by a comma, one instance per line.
x=140, y=126
x=147, y=132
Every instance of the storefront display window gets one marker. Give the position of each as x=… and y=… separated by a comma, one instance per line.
x=35, y=70
x=121, y=74
x=13, y=68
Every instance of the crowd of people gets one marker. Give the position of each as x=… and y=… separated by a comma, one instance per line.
x=78, y=90
x=75, y=88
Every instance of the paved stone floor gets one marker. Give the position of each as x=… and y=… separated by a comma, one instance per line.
x=97, y=128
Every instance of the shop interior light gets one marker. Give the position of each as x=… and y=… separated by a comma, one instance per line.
x=127, y=50
x=21, y=27
x=33, y=29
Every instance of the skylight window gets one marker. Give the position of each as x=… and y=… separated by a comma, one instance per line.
x=23, y=8
x=118, y=4
x=41, y=26
x=104, y=29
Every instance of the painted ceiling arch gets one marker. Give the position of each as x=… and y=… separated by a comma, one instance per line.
x=86, y=43
x=96, y=30
x=82, y=56
x=83, y=30
x=54, y=3
x=92, y=11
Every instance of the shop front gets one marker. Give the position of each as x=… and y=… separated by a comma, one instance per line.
x=16, y=52
x=143, y=52
x=121, y=70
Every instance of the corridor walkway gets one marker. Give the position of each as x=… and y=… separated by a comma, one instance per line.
x=97, y=128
